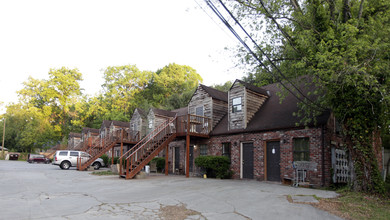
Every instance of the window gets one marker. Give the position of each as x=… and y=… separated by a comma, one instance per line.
x=203, y=150
x=199, y=111
x=150, y=123
x=226, y=149
x=63, y=153
x=74, y=154
x=301, y=149
x=237, y=105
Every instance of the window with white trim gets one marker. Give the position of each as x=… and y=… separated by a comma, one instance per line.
x=237, y=104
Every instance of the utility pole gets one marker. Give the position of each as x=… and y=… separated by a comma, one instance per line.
x=2, y=146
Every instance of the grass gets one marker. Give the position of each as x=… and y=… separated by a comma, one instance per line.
x=356, y=205
x=103, y=173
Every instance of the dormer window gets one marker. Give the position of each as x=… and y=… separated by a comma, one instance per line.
x=237, y=105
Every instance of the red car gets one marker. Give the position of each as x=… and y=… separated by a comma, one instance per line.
x=37, y=158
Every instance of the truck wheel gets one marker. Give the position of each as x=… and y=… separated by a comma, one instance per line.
x=65, y=165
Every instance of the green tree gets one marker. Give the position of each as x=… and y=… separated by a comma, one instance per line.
x=223, y=87
x=342, y=46
x=121, y=89
x=173, y=81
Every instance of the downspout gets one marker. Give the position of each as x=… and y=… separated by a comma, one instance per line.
x=323, y=153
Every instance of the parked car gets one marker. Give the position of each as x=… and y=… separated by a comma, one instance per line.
x=68, y=158
x=13, y=156
x=37, y=158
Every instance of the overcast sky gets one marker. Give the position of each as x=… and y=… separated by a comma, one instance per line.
x=93, y=34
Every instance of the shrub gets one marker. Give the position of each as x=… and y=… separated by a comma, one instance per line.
x=115, y=160
x=160, y=163
x=105, y=159
x=215, y=166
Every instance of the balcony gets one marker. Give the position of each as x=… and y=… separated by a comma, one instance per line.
x=193, y=125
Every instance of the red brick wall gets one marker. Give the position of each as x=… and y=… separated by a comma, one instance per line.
x=286, y=152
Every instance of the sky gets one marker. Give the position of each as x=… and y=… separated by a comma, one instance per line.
x=91, y=35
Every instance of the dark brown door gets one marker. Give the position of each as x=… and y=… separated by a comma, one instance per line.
x=247, y=160
x=177, y=159
x=273, y=161
x=191, y=158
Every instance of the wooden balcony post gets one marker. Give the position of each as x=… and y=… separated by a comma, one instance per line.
x=188, y=147
x=120, y=162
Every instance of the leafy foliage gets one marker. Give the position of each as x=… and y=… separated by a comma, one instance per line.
x=160, y=163
x=215, y=166
x=342, y=46
x=105, y=159
x=49, y=109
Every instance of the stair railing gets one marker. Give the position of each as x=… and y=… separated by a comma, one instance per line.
x=151, y=143
x=143, y=141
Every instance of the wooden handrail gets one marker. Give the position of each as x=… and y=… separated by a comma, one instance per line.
x=141, y=149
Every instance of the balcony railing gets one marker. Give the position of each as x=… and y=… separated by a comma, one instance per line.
x=194, y=125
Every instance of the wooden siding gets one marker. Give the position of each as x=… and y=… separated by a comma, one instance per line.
x=212, y=108
x=140, y=124
x=201, y=98
x=156, y=120
x=253, y=103
x=220, y=109
x=73, y=142
x=237, y=119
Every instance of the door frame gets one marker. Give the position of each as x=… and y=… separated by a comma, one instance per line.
x=242, y=157
x=265, y=156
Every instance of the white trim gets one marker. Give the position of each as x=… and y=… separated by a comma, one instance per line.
x=245, y=111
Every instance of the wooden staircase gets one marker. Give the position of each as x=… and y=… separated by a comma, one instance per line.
x=146, y=149
x=97, y=149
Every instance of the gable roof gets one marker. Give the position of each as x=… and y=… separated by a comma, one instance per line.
x=252, y=87
x=214, y=93
x=105, y=124
x=273, y=115
x=141, y=112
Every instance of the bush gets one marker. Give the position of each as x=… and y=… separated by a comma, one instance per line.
x=160, y=163
x=105, y=159
x=215, y=166
x=116, y=160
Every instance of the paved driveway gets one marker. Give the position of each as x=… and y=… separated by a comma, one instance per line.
x=44, y=191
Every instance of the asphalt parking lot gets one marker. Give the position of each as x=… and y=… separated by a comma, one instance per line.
x=44, y=191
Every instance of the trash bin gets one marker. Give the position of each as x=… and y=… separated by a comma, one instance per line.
x=147, y=169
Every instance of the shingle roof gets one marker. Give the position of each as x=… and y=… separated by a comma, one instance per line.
x=141, y=112
x=216, y=94
x=181, y=111
x=164, y=112
x=92, y=130
x=73, y=134
x=105, y=124
x=253, y=88
x=121, y=124
x=272, y=115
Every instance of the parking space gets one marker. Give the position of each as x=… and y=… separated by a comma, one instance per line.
x=44, y=191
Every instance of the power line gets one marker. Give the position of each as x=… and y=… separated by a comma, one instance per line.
x=234, y=32
x=219, y=26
